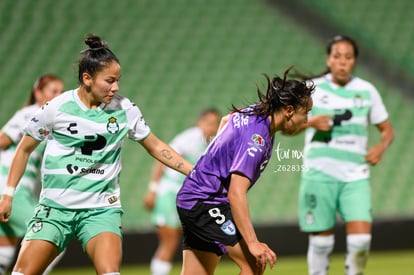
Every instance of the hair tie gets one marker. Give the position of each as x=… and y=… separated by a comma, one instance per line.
x=92, y=49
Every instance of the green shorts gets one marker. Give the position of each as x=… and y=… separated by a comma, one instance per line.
x=165, y=209
x=319, y=203
x=60, y=226
x=22, y=210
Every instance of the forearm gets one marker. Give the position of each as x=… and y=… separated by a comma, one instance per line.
x=17, y=168
x=166, y=154
x=387, y=136
x=241, y=215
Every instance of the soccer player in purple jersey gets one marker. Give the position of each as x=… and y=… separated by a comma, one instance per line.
x=212, y=203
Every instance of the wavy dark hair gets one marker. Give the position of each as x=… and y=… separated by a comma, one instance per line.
x=96, y=57
x=280, y=92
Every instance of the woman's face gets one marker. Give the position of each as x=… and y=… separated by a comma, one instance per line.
x=295, y=120
x=49, y=91
x=105, y=84
x=341, y=62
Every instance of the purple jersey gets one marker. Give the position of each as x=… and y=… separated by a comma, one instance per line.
x=244, y=146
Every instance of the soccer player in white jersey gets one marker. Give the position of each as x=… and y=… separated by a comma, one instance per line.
x=44, y=89
x=164, y=185
x=337, y=159
x=80, y=197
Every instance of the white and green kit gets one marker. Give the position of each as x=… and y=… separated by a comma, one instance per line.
x=335, y=160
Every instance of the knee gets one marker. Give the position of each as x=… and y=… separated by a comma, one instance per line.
x=322, y=244
x=359, y=241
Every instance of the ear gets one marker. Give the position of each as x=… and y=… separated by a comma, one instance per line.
x=87, y=79
x=289, y=111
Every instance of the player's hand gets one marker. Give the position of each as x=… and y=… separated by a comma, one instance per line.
x=374, y=154
x=263, y=254
x=5, y=208
x=149, y=200
x=321, y=122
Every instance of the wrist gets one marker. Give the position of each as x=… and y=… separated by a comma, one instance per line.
x=9, y=191
x=153, y=186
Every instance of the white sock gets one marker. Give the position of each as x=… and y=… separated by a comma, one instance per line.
x=6, y=257
x=358, y=246
x=112, y=273
x=54, y=262
x=16, y=273
x=319, y=250
x=159, y=267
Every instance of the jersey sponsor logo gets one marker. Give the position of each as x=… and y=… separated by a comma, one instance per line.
x=83, y=171
x=71, y=128
x=84, y=159
x=258, y=140
x=72, y=168
x=228, y=228
x=93, y=143
x=112, y=126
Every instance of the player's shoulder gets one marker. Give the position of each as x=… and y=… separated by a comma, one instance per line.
x=120, y=102
x=361, y=84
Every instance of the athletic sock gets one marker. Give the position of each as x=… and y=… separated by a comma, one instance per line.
x=319, y=250
x=6, y=257
x=358, y=246
x=159, y=267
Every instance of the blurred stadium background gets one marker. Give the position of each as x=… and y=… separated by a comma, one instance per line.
x=181, y=56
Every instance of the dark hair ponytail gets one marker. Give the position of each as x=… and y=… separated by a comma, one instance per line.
x=96, y=57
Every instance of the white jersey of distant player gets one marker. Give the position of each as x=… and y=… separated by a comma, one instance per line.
x=82, y=160
x=348, y=144
x=191, y=144
x=14, y=130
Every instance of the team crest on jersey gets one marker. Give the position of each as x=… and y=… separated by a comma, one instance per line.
x=228, y=228
x=358, y=101
x=112, y=125
x=258, y=140
x=310, y=219
x=37, y=226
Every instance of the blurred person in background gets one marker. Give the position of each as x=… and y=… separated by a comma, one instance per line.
x=45, y=88
x=336, y=178
x=165, y=183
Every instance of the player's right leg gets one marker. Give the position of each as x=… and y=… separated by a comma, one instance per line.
x=317, y=217
x=34, y=257
x=199, y=262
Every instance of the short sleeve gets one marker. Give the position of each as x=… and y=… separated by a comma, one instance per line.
x=40, y=125
x=378, y=111
x=137, y=125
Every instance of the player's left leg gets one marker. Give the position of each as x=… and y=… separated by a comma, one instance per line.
x=240, y=254
x=358, y=242
x=355, y=208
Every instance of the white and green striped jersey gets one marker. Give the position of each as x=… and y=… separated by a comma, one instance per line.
x=14, y=130
x=191, y=144
x=82, y=160
x=339, y=154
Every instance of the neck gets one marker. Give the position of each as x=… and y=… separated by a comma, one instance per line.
x=87, y=98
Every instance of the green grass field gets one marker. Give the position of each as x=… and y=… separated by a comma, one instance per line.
x=380, y=263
